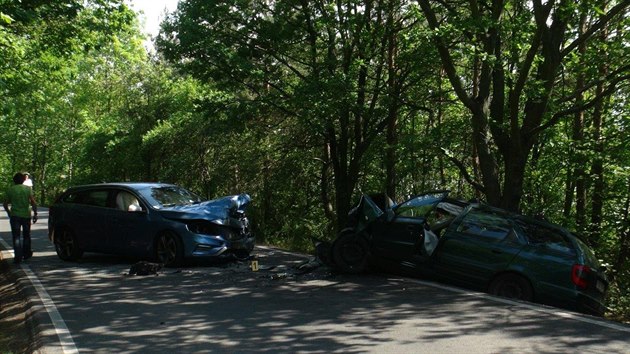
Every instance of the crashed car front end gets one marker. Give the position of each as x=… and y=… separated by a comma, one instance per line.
x=216, y=228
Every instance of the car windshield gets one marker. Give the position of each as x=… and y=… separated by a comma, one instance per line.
x=420, y=206
x=170, y=196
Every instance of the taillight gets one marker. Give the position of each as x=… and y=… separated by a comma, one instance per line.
x=579, y=275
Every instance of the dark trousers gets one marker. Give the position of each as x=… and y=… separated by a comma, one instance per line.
x=21, y=243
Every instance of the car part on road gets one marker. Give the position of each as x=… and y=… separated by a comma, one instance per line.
x=145, y=268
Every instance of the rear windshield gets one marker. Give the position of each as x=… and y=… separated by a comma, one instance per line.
x=589, y=256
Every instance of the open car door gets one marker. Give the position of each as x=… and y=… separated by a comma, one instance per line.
x=400, y=236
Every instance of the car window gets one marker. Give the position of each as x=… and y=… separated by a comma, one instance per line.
x=91, y=197
x=127, y=202
x=549, y=237
x=487, y=225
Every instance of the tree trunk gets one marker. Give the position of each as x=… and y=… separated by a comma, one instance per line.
x=597, y=174
x=597, y=169
x=324, y=186
x=392, y=114
x=579, y=173
x=624, y=238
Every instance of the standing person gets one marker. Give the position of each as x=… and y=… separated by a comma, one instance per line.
x=20, y=196
x=27, y=180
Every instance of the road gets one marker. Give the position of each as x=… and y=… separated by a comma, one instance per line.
x=94, y=306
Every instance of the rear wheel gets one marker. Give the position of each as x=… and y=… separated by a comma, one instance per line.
x=350, y=252
x=66, y=245
x=168, y=249
x=512, y=286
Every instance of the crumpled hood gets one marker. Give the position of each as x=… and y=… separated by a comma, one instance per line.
x=217, y=210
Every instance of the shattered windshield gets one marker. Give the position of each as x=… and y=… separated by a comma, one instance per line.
x=420, y=206
x=170, y=196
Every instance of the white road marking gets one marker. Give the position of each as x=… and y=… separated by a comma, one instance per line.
x=531, y=306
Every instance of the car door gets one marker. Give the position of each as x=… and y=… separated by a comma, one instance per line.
x=87, y=216
x=481, y=244
x=400, y=236
x=131, y=228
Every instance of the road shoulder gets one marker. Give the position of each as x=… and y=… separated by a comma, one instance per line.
x=17, y=326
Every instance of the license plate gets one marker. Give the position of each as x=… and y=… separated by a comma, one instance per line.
x=600, y=286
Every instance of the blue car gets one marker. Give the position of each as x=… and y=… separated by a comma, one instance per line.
x=161, y=222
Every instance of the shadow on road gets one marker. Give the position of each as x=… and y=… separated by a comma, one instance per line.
x=227, y=307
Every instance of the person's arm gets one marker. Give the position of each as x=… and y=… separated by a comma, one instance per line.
x=5, y=204
x=34, y=206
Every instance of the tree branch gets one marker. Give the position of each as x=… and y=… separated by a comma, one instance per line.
x=464, y=171
x=447, y=60
x=596, y=27
x=587, y=105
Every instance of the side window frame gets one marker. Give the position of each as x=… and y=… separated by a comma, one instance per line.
x=89, y=197
x=495, y=228
x=540, y=235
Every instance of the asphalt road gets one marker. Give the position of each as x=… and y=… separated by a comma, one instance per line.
x=94, y=306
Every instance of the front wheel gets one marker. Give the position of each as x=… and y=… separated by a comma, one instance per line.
x=66, y=245
x=168, y=249
x=350, y=253
x=512, y=286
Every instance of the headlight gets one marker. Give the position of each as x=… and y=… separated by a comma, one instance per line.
x=202, y=228
x=210, y=229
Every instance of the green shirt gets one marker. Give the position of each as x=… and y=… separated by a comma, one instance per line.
x=19, y=197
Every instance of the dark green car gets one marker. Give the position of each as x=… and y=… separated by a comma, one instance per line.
x=474, y=245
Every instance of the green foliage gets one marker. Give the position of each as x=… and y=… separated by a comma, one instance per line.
x=291, y=103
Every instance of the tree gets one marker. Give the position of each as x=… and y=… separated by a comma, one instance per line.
x=47, y=44
x=340, y=70
x=511, y=85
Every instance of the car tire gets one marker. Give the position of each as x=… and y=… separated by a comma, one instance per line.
x=350, y=253
x=169, y=250
x=512, y=286
x=66, y=245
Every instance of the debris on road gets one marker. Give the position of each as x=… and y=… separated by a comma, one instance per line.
x=145, y=268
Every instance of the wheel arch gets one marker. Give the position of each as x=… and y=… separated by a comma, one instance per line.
x=60, y=246
x=178, y=239
x=157, y=234
x=351, y=252
x=512, y=272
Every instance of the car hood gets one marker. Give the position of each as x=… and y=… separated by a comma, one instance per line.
x=217, y=211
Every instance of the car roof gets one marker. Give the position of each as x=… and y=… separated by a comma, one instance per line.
x=128, y=185
x=526, y=219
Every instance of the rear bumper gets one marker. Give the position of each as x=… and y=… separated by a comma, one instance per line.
x=572, y=299
x=589, y=305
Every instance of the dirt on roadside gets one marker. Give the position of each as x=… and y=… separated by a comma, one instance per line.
x=15, y=333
